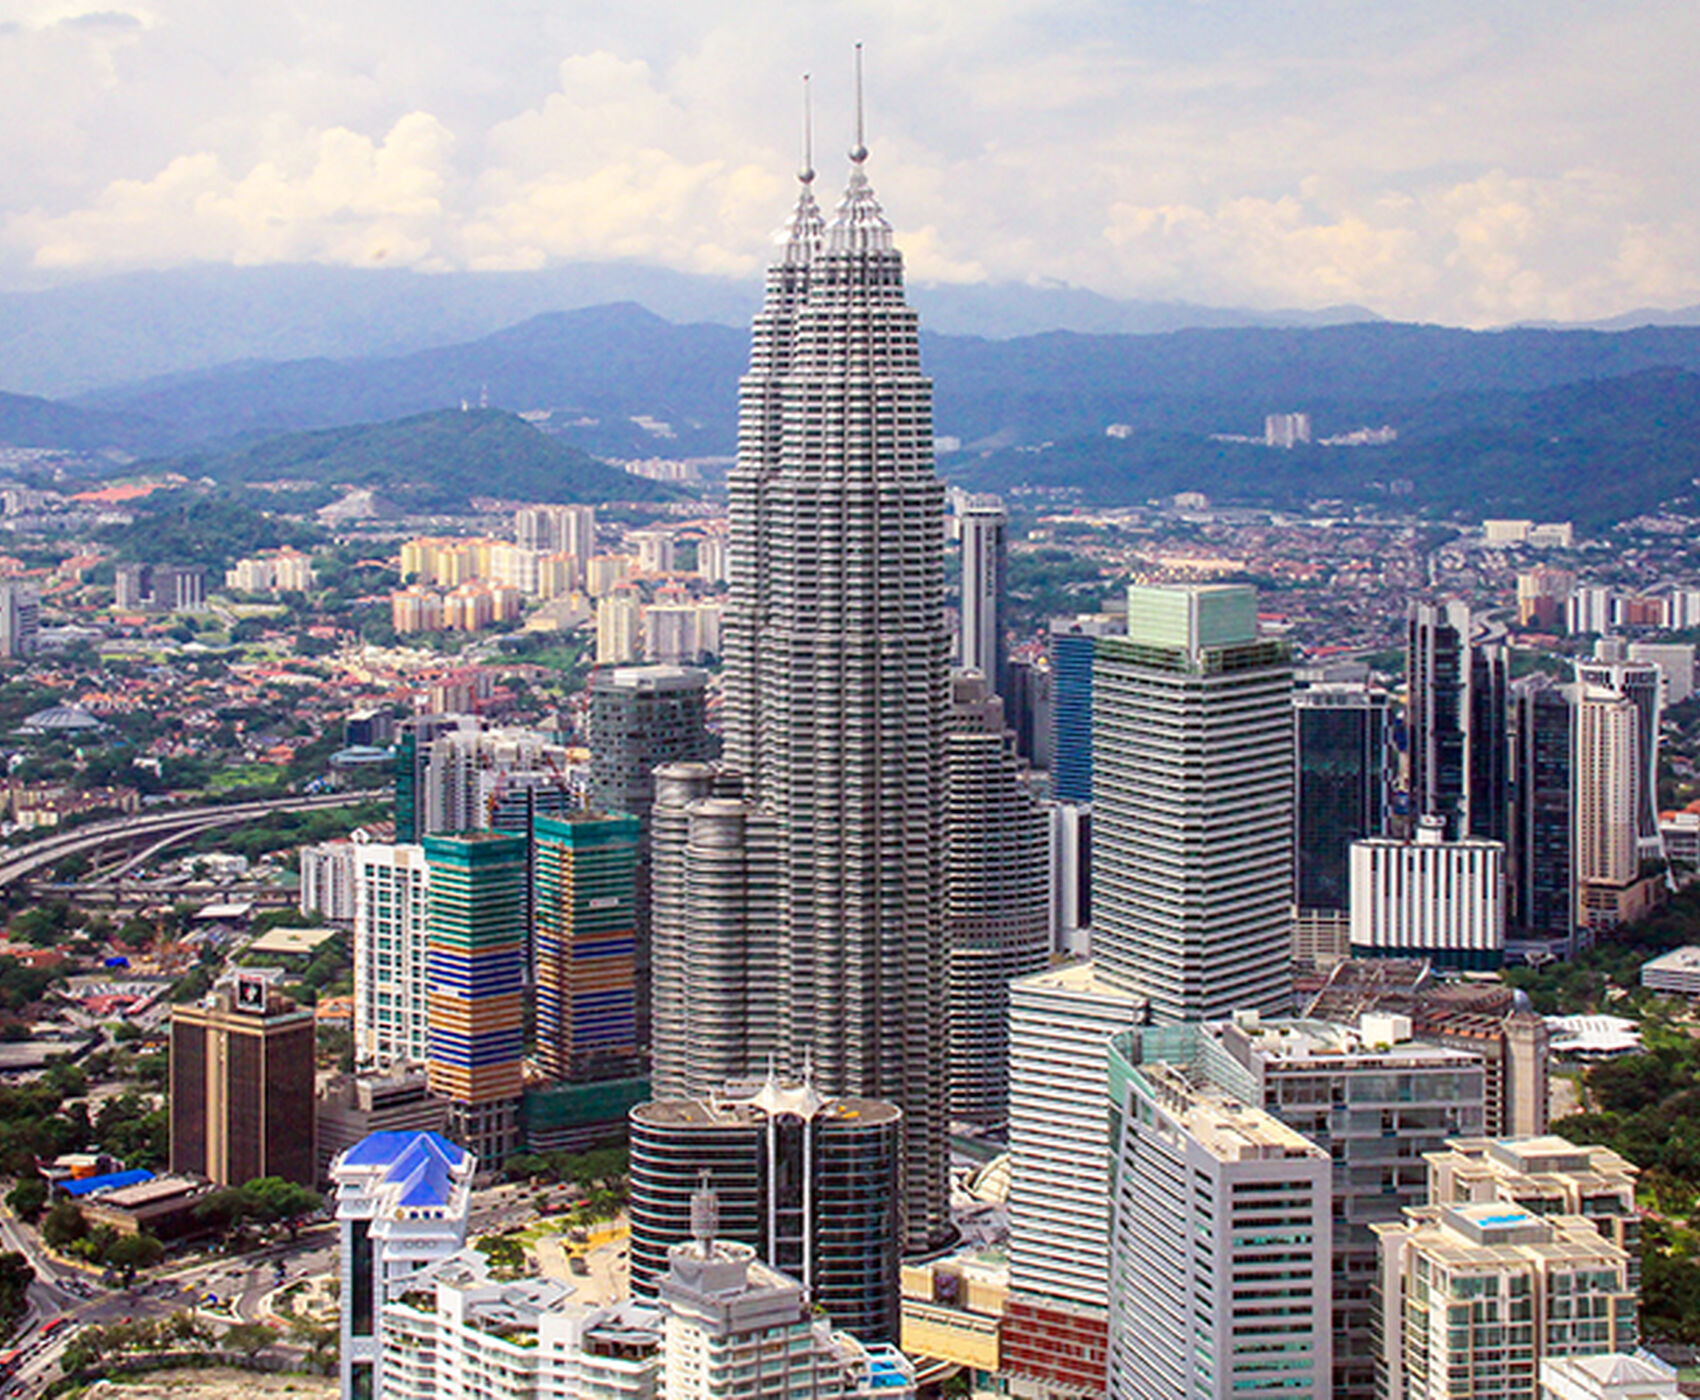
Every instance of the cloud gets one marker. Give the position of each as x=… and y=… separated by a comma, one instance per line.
x=1462, y=163
x=342, y=199
x=101, y=19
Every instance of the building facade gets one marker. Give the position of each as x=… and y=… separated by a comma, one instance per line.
x=1220, y=1236
x=1429, y=898
x=391, y=997
x=1341, y=786
x=836, y=653
x=241, y=1074
x=1471, y=1299
x=584, y=946
x=1192, y=865
x=983, y=529
x=810, y=1183
x=402, y=1201
x=475, y=966
x=996, y=900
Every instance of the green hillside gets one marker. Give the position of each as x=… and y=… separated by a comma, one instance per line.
x=428, y=463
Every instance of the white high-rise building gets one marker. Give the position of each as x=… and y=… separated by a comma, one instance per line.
x=327, y=880
x=655, y=549
x=1675, y=661
x=461, y=1334
x=1375, y=1101
x=1429, y=898
x=491, y=779
x=711, y=559
x=1592, y=609
x=1192, y=806
x=670, y=635
x=402, y=1201
x=1220, y=1235
x=1060, y=1024
x=391, y=883
x=738, y=1330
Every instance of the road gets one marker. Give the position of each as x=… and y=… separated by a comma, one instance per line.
x=83, y=1301
x=60, y=1291
x=39, y=855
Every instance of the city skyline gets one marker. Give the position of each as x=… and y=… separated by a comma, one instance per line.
x=1455, y=165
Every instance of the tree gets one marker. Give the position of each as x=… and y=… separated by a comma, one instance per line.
x=225, y=1210
x=16, y=1275
x=63, y=1224
x=321, y=1343
x=273, y=1201
x=28, y=1198
x=131, y=1252
x=249, y=1338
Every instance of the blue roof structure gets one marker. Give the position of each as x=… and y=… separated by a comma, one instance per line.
x=110, y=1181
x=422, y=1165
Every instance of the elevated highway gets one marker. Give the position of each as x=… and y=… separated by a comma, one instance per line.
x=155, y=830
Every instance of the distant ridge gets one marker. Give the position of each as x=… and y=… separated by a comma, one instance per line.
x=81, y=336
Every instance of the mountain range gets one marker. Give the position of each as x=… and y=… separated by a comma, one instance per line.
x=67, y=340
x=1536, y=414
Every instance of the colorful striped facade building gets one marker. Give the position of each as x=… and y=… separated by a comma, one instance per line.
x=475, y=953
x=586, y=945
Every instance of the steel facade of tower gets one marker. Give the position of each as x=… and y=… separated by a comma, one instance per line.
x=984, y=528
x=1192, y=851
x=996, y=900
x=836, y=655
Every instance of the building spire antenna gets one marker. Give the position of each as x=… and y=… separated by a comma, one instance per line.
x=859, y=152
x=807, y=173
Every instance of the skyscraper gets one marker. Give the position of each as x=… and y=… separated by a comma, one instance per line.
x=476, y=955
x=640, y=718
x=585, y=945
x=1341, y=732
x=1219, y=1236
x=242, y=1083
x=810, y=1182
x=1192, y=806
x=996, y=898
x=390, y=986
x=984, y=527
x=1540, y=852
x=836, y=655
x=1074, y=643
x=1456, y=714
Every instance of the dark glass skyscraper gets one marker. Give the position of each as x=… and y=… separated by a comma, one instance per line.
x=1074, y=643
x=1540, y=859
x=1456, y=719
x=1342, y=786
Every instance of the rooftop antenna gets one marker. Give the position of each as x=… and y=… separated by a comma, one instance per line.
x=859, y=152
x=807, y=173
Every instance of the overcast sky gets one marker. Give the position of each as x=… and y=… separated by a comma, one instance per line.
x=1471, y=163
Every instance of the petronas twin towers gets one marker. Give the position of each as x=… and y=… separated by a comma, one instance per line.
x=798, y=887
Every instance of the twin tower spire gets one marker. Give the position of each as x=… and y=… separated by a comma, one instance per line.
x=858, y=224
